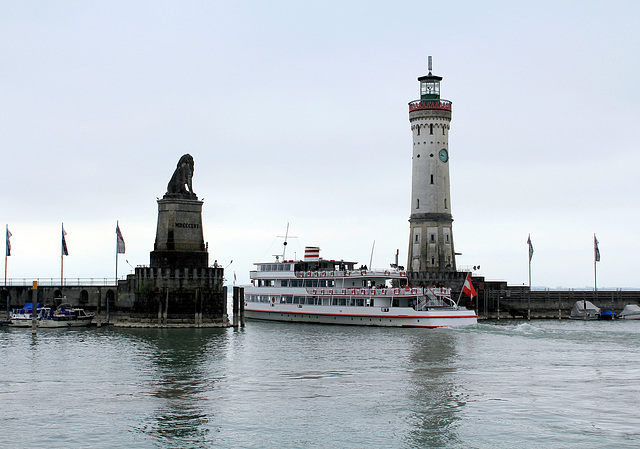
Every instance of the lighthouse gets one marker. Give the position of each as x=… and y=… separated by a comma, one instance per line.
x=431, y=248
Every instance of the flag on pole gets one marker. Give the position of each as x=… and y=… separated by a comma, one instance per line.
x=468, y=289
x=120, y=239
x=596, y=251
x=65, y=251
x=8, y=253
x=530, y=248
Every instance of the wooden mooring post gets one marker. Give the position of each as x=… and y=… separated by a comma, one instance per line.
x=241, y=294
x=236, y=305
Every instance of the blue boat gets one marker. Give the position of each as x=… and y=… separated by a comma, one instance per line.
x=607, y=315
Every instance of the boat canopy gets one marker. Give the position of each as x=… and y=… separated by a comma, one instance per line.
x=630, y=310
x=29, y=306
x=579, y=309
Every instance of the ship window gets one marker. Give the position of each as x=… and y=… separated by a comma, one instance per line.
x=280, y=267
x=284, y=283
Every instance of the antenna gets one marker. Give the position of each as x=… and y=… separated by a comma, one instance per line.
x=285, y=237
x=430, y=65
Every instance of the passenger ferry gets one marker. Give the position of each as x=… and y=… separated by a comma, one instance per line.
x=316, y=290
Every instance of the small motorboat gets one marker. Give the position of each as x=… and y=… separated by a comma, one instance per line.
x=64, y=316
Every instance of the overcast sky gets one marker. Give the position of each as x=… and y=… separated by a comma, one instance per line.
x=296, y=112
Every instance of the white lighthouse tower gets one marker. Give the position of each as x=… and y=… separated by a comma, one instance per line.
x=431, y=236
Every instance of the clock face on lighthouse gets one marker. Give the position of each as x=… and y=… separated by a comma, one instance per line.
x=444, y=156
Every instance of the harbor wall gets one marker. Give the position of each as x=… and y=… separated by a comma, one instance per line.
x=189, y=297
x=497, y=300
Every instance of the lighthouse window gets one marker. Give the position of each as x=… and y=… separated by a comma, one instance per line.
x=433, y=261
x=445, y=203
x=443, y=130
x=431, y=179
x=418, y=130
x=417, y=203
x=433, y=237
x=431, y=129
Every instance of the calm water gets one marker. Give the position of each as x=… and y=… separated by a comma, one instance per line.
x=278, y=385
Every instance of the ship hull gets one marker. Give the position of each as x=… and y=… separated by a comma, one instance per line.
x=364, y=316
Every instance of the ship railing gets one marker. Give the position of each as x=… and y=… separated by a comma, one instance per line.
x=356, y=291
x=435, y=297
x=351, y=273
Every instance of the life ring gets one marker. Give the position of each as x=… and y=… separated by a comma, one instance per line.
x=347, y=273
x=363, y=272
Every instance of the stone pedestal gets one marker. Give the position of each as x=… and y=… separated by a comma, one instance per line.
x=179, y=238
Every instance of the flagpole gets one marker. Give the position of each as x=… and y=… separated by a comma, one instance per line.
x=6, y=253
x=529, y=293
x=62, y=258
x=595, y=262
x=117, y=224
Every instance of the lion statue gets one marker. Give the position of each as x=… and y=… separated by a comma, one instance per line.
x=181, y=180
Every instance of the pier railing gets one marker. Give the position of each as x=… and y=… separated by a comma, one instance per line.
x=54, y=282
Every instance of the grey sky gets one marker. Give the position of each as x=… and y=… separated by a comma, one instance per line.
x=298, y=113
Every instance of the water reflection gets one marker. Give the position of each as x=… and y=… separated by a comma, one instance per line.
x=178, y=383
x=434, y=397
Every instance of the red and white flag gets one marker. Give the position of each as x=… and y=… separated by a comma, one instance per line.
x=468, y=289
